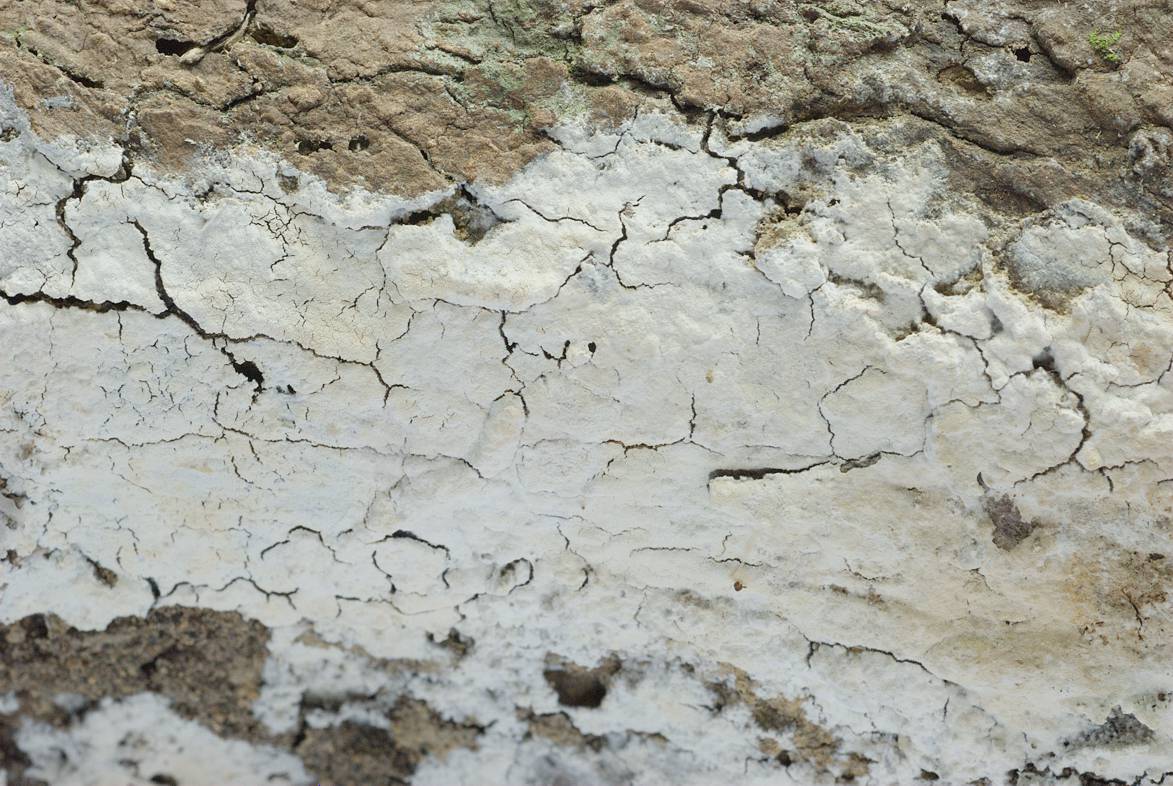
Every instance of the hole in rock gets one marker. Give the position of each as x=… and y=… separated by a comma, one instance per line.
x=578, y=686
x=471, y=219
x=172, y=46
x=249, y=370
x=307, y=146
x=269, y=37
x=1045, y=361
x=577, y=690
x=35, y=627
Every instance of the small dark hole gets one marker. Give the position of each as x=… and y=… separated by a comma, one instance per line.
x=307, y=146
x=171, y=46
x=150, y=668
x=249, y=370
x=164, y=780
x=578, y=688
x=591, y=347
x=593, y=78
x=1045, y=360
x=359, y=142
x=35, y=627
x=784, y=758
x=929, y=775
x=263, y=35
x=1023, y=54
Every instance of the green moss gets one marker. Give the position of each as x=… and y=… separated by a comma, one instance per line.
x=506, y=75
x=1102, y=44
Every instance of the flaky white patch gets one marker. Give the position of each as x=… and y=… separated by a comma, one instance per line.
x=656, y=411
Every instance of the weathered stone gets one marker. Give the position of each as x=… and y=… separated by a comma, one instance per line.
x=634, y=392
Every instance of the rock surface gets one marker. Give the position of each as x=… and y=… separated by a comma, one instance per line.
x=620, y=392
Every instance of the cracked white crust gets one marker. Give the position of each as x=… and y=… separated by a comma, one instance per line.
x=618, y=423
x=132, y=740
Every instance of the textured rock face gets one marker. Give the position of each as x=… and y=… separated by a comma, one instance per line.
x=626, y=392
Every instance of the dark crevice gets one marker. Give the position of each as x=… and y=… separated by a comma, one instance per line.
x=759, y=473
x=84, y=81
x=70, y=301
x=1045, y=361
x=191, y=52
x=174, y=47
x=79, y=189
x=68, y=72
x=511, y=568
x=472, y=219
x=408, y=535
x=309, y=146
x=249, y=370
x=149, y=668
x=252, y=95
x=591, y=78
x=246, y=368
x=577, y=686
x=263, y=34
x=860, y=463
x=102, y=573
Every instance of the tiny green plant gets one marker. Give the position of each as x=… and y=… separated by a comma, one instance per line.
x=1102, y=43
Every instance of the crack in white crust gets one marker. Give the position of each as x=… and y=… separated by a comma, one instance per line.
x=622, y=421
